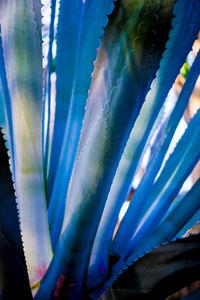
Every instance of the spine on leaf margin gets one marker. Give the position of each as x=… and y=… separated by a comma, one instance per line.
x=115, y=115
x=74, y=66
x=180, y=24
x=149, y=16
x=14, y=281
x=185, y=156
x=141, y=201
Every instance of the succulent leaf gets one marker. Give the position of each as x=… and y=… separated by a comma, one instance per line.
x=74, y=66
x=23, y=63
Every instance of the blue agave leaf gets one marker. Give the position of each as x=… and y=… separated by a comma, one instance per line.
x=185, y=20
x=14, y=276
x=108, y=67
x=100, y=149
x=99, y=257
x=165, y=189
x=23, y=62
x=159, y=135
x=180, y=163
x=171, y=226
x=106, y=71
x=114, y=41
x=77, y=41
x=174, y=204
x=160, y=88
x=74, y=66
x=141, y=202
x=47, y=94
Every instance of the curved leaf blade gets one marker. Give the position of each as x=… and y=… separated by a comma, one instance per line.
x=115, y=115
x=141, y=202
x=23, y=61
x=99, y=257
x=74, y=66
x=170, y=227
x=177, y=168
x=170, y=66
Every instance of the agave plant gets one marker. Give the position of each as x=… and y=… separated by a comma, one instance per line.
x=73, y=163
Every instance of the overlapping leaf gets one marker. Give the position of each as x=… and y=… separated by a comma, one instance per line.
x=141, y=201
x=77, y=41
x=99, y=257
x=101, y=145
